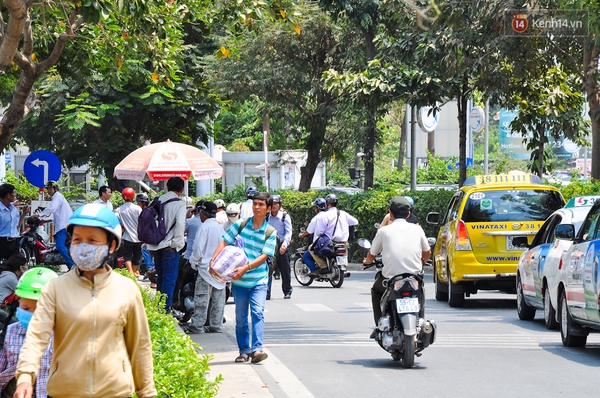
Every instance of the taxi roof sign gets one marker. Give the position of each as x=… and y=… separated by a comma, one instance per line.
x=582, y=201
x=510, y=178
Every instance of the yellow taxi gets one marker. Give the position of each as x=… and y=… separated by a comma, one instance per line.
x=489, y=222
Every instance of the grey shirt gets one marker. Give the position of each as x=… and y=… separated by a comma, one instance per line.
x=8, y=284
x=129, y=215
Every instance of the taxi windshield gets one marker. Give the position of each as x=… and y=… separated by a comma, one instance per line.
x=511, y=205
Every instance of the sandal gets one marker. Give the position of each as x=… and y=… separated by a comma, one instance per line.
x=258, y=356
x=242, y=358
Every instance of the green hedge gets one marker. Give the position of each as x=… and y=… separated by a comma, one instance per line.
x=179, y=370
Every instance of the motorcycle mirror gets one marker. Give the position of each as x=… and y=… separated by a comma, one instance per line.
x=362, y=242
x=302, y=229
x=377, y=225
x=431, y=240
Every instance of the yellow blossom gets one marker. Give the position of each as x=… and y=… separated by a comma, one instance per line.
x=282, y=12
x=155, y=76
x=297, y=28
x=225, y=51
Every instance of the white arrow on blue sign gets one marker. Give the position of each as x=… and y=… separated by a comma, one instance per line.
x=41, y=167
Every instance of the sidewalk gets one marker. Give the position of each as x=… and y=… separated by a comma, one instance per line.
x=239, y=379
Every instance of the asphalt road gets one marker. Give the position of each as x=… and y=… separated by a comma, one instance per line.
x=319, y=346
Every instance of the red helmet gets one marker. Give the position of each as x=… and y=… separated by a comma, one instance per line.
x=128, y=194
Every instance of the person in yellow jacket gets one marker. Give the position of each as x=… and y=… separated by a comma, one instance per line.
x=102, y=344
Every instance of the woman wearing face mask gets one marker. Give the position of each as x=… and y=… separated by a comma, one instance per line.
x=28, y=290
x=102, y=342
x=10, y=272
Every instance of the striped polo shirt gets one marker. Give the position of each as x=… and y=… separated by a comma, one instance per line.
x=254, y=246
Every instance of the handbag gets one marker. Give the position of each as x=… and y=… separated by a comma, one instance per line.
x=323, y=246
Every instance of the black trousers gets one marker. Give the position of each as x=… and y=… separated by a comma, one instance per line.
x=8, y=247
x=283, y=262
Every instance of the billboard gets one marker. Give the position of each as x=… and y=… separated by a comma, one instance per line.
x=511, y=143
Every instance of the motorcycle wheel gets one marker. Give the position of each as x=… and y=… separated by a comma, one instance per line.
x=301, y=272
x=29, y=254
x=408, y=356
x=338, y=279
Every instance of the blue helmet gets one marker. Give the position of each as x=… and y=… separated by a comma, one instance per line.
x=251, y=192
x=320, y=203
x=410, y=200
x=95, y=215
x=277, y=199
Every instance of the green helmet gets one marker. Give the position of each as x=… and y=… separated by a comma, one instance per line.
x=31, y=283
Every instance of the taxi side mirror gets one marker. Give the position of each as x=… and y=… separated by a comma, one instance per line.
x=565, y=232
x=433, y=218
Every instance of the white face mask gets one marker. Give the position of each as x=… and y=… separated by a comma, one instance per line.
x=89, y=257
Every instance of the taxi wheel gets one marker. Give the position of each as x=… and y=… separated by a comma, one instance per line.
x=525, y=312
x=566, y=323
x=454, y=299
x=441, y=290
x=549, y=312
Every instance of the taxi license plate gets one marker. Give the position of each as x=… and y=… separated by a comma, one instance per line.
x=342, y=260
x=404, y=305
x=509, y=243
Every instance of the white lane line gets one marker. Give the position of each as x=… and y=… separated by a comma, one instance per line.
x=313, y=307
x=284, y=377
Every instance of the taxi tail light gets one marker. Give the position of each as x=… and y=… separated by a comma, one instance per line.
x=462, y=237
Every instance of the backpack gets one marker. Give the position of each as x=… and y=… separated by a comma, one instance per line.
x=151, y=224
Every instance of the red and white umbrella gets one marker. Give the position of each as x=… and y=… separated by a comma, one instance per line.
x=164, y=160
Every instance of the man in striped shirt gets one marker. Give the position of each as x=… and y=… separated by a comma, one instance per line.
x=249, y=286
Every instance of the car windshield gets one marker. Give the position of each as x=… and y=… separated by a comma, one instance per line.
x=511, y=205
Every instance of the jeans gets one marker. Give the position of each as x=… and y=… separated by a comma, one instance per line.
x=147, y=259
x=254, y=299
x=61, y=238
x=308, y=260
x=166, y=262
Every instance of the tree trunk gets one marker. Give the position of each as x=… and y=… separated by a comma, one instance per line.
x=461, y=102
x=17, y=110
x=592, y=88
x=369, y=36
x=542, y=135
x=313, y=148
x=402, y=150
x=431, y=143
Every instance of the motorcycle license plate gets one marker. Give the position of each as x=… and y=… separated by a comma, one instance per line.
x=342, y=260
x=409, y=304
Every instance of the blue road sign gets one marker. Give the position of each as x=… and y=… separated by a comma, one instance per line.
x=41, y=167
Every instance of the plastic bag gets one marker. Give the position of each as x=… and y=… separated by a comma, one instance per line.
x=230, y=258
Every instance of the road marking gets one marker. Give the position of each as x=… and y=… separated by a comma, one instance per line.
x=313, y=307
x=286, y=380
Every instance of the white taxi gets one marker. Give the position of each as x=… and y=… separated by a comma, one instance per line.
x=539, y=267
x=579, y=282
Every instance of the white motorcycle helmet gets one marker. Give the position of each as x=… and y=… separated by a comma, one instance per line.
x=233, y=212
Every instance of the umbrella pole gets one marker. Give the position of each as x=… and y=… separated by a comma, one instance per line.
x=185, y=188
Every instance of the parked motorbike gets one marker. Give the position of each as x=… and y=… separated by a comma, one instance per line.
x=33, y=246
x=336, y=267
x=183, y=295
x=402, y=330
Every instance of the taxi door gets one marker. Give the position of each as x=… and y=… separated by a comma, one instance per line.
x=446, y=236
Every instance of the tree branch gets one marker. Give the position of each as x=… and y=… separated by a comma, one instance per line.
x=18, y=15
x=570, y=57
x=61, y=42
x=27, y=38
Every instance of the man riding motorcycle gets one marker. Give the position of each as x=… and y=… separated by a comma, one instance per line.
x=404, y=249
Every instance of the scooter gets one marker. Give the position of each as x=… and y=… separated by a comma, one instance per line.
x=402, y=330
x=336, y=267
x=32, y=245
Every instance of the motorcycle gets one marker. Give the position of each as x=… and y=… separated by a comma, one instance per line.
x=402, y=331
x=32, y=245
x=336, y=267
x=183, y=295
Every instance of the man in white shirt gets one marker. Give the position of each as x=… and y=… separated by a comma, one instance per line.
x=61, y=212
x=104, y=194
x=334, y=223
x=403, y=247
x=246, y=207
x=131, y=247
x=209, y=295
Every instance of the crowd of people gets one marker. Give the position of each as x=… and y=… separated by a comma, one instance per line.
x=93, y=319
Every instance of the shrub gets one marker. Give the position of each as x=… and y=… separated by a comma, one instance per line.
x=179, y=371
